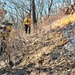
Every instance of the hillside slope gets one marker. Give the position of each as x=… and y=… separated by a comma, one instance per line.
x=49, y=52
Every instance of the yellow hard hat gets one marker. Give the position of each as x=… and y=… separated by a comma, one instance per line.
x=27, y=14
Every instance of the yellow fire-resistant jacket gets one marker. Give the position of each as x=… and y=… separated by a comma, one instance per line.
x=27, y=21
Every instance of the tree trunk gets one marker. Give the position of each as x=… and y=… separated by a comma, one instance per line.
x=49, y=9
x=70, y=2
x=33, y=12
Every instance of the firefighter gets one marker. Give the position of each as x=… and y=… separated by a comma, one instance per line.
x=4, y=34
x=27, y=23
x=8, y=27
x=3, y=39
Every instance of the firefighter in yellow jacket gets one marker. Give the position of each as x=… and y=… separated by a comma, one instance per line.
x=27, y=23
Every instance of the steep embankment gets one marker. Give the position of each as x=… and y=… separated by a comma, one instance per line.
x=64, y=21
x=51, y=52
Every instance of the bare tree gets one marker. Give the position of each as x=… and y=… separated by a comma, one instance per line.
x=19, y=9
x=49, y=7
x=33, y=12
x=37, y=8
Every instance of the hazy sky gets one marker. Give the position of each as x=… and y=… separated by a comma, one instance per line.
x=2, y=0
